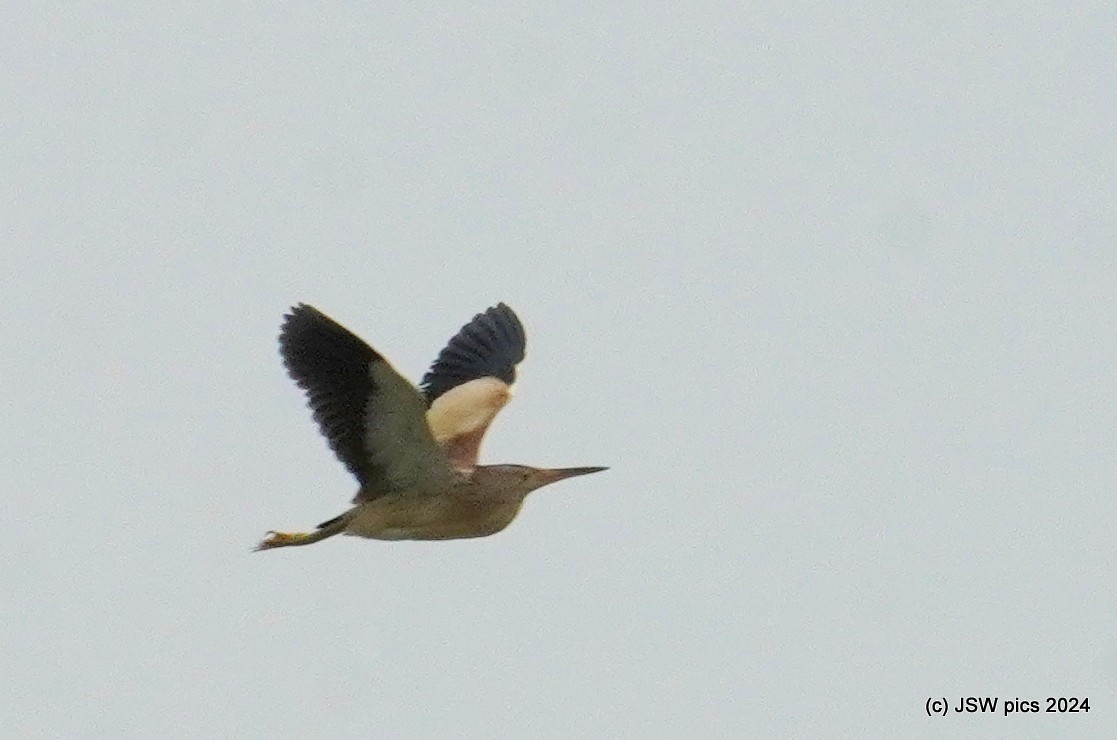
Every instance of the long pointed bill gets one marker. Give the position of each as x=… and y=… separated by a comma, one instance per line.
x=553, y=475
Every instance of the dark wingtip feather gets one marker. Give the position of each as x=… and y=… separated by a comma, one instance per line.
x=490, y=345
x=331, y=365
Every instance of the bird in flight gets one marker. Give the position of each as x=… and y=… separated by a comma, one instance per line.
x=413, y=450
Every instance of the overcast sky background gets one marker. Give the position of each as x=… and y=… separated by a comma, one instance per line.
x=830, y=287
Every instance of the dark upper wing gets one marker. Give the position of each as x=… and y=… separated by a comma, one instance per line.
x=373, y=419
x=471, y=381
x=491, y=345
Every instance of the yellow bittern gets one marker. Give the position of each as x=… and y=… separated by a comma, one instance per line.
x=413, y=450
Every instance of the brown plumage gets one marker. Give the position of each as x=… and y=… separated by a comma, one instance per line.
x=413, y=451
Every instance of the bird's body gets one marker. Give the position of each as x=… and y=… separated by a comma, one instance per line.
x=475, y=505
x=413, y=451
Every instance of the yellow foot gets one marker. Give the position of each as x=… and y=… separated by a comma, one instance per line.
x=282, y=539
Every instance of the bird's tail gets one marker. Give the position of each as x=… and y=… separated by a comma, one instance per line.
x=333, y=522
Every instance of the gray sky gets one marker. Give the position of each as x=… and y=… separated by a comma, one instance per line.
x=830, y=287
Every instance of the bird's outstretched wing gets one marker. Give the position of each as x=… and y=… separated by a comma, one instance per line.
x=471, y=381
x=373, y=419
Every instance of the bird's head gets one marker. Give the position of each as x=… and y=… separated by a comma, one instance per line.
x=523, y=479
